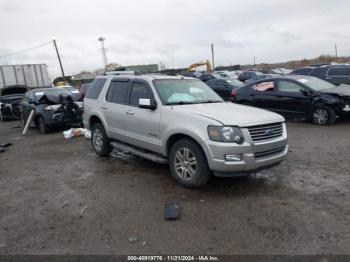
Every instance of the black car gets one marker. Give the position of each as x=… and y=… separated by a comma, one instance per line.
x=298, y=96
x=261, y=77
x=10, y=98
x=244, y=76
x=224, y=87
x=53, y=107
x=334, y=73
x=210, y=76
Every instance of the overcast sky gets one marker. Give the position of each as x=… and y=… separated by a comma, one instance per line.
x=175, y=32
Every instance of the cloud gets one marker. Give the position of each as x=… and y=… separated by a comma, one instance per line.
x=175, y=32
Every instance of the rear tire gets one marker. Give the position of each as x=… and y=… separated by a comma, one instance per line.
x=99, y=140
x=323, y=115
x=188, y=164
x=2, y=118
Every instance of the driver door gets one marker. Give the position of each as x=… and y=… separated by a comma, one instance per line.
x=293, y=98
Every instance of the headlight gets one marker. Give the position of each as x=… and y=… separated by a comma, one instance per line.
x=225, y=134
x=53, y=107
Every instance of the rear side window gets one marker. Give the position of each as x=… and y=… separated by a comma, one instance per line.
x=302, y=71
x=264, y=86
x=138, y=91
x=118, y=92
x=95, y=89
x=341, y=71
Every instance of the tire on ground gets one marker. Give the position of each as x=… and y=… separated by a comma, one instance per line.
x=202, y=174
x=331, y=115
x=105, y=146
x=43, y=128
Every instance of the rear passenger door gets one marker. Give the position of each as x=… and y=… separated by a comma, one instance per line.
x=264, y=94
x=116, y=107
x=338, y=75
x=143, y=124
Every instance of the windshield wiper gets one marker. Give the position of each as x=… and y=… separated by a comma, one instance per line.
x=209, y=101
x=180, y=103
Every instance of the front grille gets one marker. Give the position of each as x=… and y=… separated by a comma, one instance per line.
x=265, y=132
x=269, y=153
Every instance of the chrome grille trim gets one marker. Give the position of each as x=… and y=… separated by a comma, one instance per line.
x=265, y=132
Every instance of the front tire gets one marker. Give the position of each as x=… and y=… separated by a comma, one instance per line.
x=99, y=140
x=323, y=115
x=42, y=125
x=188, y=164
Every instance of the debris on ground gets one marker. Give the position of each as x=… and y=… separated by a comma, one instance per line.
x=172, y=211
x=82, y=211
x=74, y=132
x=16, y=126
x=3, y=146
x=133, y=239
x=144, y=243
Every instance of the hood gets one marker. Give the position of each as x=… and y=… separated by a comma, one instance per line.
x=231, y=114
x=342, y=90
x=13, y=90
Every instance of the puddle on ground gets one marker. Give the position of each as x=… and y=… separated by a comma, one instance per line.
x=123, y=155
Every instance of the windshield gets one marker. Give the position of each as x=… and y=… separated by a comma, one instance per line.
x=315, y=83
x=184, y=91
x=235, y=83
x=51, y=92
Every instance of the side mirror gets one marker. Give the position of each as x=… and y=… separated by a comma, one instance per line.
x=147, y=103
x=305, y=92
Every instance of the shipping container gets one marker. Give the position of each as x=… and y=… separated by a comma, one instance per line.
x=31, y=75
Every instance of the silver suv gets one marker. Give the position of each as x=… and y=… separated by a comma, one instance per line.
x=181, y=121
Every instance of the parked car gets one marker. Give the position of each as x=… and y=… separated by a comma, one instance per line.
x=210, y=76
x=334, y=73
x=261, y=77
x=224, y=87
x=53, y=107
x=83, y=89
x=298, y=96
x=244, y=76
x=183, y=122
x=10, y=98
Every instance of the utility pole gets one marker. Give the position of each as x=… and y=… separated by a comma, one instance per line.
x=102, y=39
x=254, y=61
x=212, y=56
x=336, y=53
x=59, y=59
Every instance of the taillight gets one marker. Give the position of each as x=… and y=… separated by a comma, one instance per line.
x=233, y=93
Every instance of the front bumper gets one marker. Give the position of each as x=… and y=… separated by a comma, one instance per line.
x=254, y=156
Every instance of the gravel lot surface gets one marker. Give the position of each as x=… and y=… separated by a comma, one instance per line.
x=299, y=207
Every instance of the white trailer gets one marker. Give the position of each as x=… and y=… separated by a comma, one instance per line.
x=31, y=75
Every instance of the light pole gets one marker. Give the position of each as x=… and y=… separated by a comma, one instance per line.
x=103, y=49
x=59, y=58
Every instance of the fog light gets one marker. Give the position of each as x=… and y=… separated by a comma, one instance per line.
x=233, y=157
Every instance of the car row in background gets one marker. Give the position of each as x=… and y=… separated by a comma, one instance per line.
x=297, y=96
x=224, y=87
x=334, y=73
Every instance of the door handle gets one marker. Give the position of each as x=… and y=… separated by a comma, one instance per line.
x=130, y=112
x=104, y=107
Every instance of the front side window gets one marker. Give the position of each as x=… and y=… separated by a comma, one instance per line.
x=139, y=91
x=118, y=92
x=184, y=91
x=288, y=86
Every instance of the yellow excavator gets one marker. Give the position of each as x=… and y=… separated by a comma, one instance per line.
x=195, y=65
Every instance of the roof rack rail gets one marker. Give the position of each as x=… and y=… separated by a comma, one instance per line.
x=119, y=73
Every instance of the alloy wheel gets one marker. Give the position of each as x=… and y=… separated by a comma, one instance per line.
x=185, y=163
x=321, y=116
x=97, y=139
